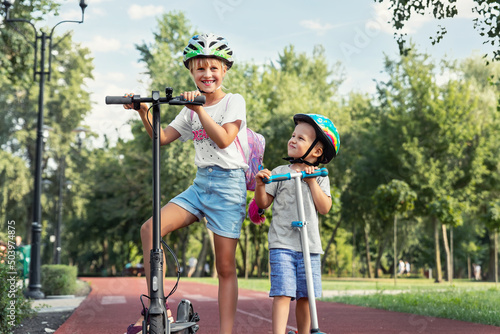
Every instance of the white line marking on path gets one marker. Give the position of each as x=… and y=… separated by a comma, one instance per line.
x=108, y=300
x=199, y=298
x=262, y=318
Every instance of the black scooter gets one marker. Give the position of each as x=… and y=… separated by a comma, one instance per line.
x=157, y=314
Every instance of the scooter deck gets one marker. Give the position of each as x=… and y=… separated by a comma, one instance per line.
x=178, y=326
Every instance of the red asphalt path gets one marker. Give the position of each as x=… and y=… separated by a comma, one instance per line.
x=114, y=303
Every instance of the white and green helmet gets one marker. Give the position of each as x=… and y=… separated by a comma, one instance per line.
x=208, y=45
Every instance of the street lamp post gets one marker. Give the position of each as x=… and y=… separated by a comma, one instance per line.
x=34, y=287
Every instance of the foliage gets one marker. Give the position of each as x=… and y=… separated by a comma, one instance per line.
x=14, y=307
x=58, y=279
x=431, y=131
x=393, y=198
x=66, y=104
x=447, y=210
x=487, y=24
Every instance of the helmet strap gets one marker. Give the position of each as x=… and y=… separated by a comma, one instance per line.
x=203, y=92
x=302, y=160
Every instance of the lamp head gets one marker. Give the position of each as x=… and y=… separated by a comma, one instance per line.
x=7, y=4
x=83, y=5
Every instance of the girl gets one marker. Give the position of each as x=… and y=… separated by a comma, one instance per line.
x=219, y=191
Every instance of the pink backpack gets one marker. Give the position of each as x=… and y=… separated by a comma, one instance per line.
x=256, y=147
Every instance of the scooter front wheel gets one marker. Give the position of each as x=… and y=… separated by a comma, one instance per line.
x=156, y=325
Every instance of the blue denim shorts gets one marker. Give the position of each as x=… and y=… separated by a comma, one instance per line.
x=288, y=275
x=219, y=195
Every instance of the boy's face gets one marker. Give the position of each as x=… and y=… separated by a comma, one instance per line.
x=208, y=73
x=302, y=138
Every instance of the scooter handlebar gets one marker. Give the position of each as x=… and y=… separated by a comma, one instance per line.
x=288, y=176
x=177, y=100
x=118, y=100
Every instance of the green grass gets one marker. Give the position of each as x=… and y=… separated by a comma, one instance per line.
x=476, y=305
x=465, y=300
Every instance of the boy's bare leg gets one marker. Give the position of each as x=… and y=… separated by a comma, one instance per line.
x=303, y=316
x=281, y=309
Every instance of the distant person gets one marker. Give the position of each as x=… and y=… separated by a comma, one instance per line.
x=407, y=268
x=192, y=266
x=219, y=189
x=206, y=268
x=477, y=272
x=401, y=267
x=315, y=140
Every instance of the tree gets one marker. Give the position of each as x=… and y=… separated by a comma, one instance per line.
x=488, y=25
x=448, y=212
x=67, y=99
x=392, y=200
x=492, y=220
x=439, y=128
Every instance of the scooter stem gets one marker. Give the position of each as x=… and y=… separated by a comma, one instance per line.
x=157, y=303
x=307, y=258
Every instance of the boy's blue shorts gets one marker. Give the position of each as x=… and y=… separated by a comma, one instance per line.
x=288, y=275
x=219, y=195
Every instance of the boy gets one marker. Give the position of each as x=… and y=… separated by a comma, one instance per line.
x=315, y=140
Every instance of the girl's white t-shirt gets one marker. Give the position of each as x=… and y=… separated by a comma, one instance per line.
x=231, y=108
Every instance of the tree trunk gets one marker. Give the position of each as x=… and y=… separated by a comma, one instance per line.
x=202, y=256
x=329, y=244
x=496, y=256
x=353, y=248
x=447, y=251
x=105, y=256
x=468, y=267
x=437, y=253
x=493, y=263
x=380, y=252
x=246, y=258
x=395, y=249
x=367, y=252
x=452, y=264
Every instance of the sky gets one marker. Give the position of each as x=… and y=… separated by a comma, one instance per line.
x=355, y=33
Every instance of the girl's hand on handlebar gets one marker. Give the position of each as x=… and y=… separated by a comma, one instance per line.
x=189, y=96
x=262, y=174
x=143, y=108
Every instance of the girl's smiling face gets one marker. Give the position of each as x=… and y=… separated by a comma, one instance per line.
x=208, y=73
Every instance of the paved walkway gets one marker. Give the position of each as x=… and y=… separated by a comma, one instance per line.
x=114, y=303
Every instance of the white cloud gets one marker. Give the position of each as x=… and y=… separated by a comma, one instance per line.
x=464, y=8
x=136, y=12
x=383, y=15
x=316, y=26
x=101, y=44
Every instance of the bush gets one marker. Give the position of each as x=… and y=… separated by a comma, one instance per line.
x=58, y=279
x=14, y=307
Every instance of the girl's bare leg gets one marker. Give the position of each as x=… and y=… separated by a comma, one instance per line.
x=173, y=217
x=281, y=308
x=225, y=261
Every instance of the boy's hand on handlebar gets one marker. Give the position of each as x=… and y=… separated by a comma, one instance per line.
x=262, y=174
x=143, y=107
x=309, y=170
